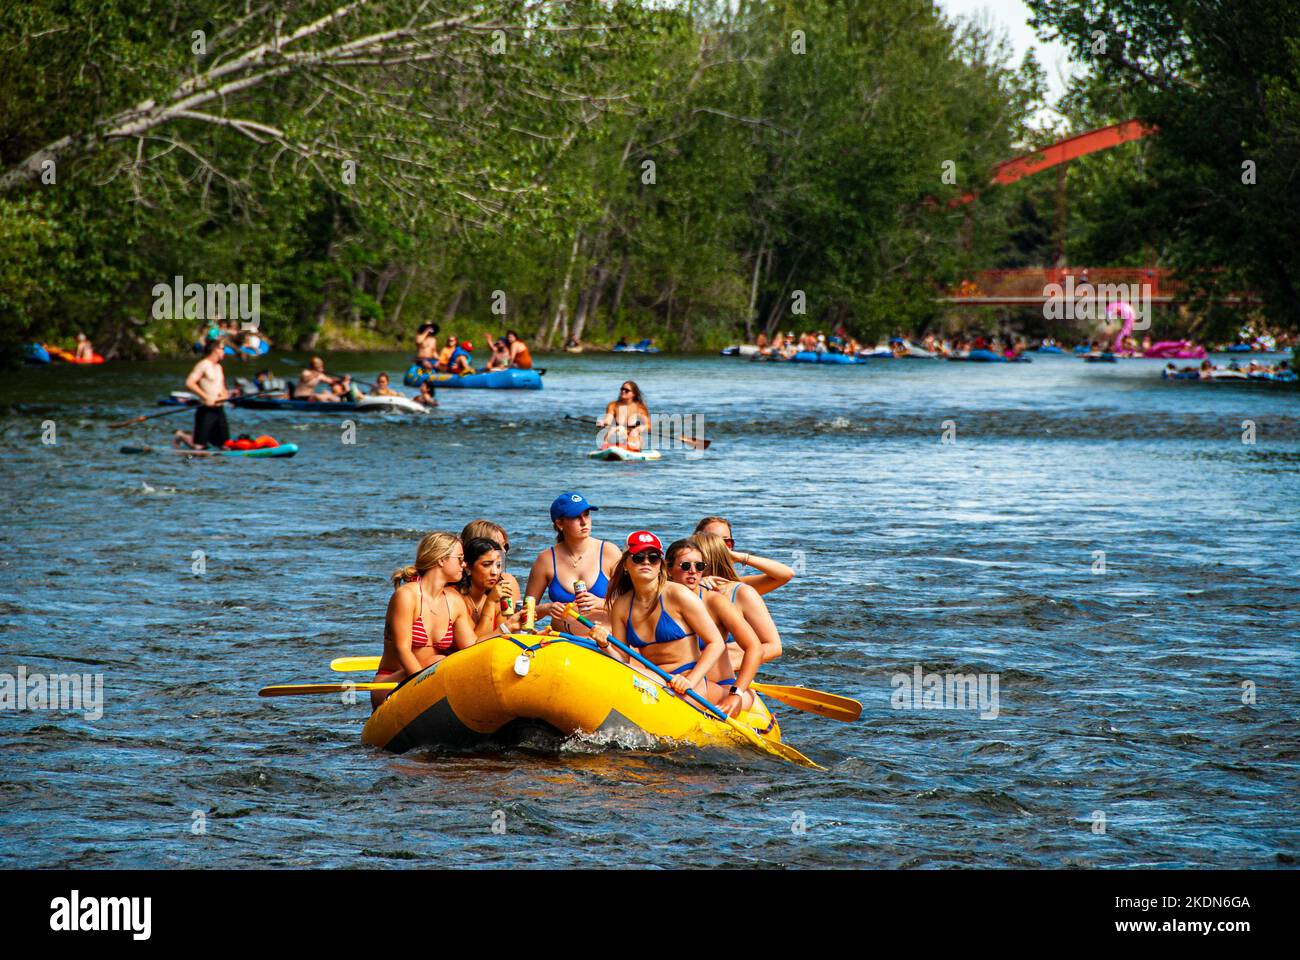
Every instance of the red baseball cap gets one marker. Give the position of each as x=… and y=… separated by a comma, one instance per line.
x=644, y=540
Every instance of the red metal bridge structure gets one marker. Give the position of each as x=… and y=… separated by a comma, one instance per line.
x=1033, y=286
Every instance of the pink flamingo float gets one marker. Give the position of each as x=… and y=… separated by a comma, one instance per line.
x=1162, y=350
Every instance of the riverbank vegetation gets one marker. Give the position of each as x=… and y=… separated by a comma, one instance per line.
x=696, y=172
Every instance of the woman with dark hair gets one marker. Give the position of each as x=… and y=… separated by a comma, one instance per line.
x=625, y=418
x=489, y=530
x=771, y=573
x=520, y=358
x=483, y=586
x=661, y=620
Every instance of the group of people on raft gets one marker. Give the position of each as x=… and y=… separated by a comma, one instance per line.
x=457, y=356
x=687, y=608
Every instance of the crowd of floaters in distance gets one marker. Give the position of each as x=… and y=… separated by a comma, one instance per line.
x=686, y=608
x=454, y=356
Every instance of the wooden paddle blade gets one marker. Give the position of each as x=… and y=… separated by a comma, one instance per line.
x=354, y=664
x=823, y=704
x=298, y=689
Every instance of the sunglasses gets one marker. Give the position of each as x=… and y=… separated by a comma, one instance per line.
x=731, y=544
x=689, y=565
x=626, y=390
x=648, y=556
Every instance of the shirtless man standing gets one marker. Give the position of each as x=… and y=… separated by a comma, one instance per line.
x=313, y=376
x=426, y=345
x=207, y=381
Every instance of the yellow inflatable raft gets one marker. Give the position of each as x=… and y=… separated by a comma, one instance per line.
x=496, y=686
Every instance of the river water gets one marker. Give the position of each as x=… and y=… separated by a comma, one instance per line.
x=1100, y=542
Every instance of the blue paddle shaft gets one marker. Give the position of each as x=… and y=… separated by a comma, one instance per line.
x=663, y=674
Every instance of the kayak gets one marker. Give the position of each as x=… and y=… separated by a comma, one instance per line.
x=68, y=356
x=623, y=453
x=35, y=353
x=506, y=687
x=511, y=379
x=283, y=450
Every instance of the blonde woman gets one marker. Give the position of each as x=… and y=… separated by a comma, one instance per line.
x=771, y=573
x=719, y=569
x=661, y=620
x=576, y=558
x=686, y=566
x=427, y=618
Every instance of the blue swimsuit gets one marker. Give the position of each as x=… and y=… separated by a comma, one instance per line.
x=559, y=595
x=666, y=631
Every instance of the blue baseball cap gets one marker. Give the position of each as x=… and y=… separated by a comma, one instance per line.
x=570, y=505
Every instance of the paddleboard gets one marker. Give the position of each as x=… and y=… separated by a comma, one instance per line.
x=283, y=450
x=623, y=453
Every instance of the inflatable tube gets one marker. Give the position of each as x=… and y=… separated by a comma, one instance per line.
x=1175, y=350
x=398, y=404
x=623, y=453
x=503, y=687
x=1050, y=350
x=262, y=348
x=512, y=379
x=68, y=356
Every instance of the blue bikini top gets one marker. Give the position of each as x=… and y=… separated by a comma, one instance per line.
x=666, y=629
x=559, y=595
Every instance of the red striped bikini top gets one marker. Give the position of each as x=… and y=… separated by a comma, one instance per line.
x=420, y=638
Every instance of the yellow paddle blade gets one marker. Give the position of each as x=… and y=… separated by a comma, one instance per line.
x=813, y=701
x=295, y=689
x=354, y=664
x=773, y=747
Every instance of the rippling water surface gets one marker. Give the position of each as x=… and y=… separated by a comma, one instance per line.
x=1121, y=738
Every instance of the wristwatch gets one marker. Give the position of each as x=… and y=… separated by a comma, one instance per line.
x=736, y=691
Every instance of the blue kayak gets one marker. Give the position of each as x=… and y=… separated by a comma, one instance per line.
x=35, y=353
x=512, y=379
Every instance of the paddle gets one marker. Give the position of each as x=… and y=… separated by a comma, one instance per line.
x=775, y=748
x=701, y=443
x=827, y=705
x=298, y=689
x=150, y=416
x=819, y=702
